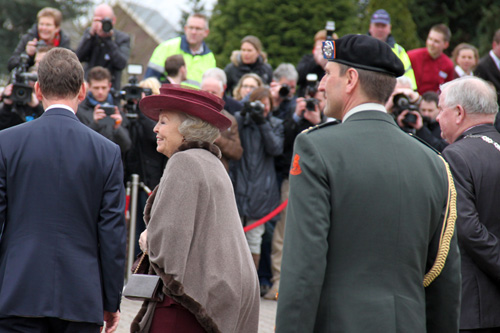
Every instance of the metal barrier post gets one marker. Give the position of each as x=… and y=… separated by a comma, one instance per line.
x=132, y=224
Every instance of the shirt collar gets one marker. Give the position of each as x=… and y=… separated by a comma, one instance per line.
x=60, y=106
x=365, y=107
x=495, y=59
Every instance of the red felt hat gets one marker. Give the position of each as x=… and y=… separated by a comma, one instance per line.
x=201, y=104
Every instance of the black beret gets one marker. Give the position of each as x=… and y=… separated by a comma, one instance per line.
x=364, y=52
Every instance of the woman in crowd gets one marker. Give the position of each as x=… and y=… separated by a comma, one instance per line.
x=465, y=57
x=249, y=59
x=194, y=237
x=246, y=85
x=256, y=185
x=47, y=29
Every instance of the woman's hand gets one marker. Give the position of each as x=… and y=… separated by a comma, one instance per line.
x=143, y=241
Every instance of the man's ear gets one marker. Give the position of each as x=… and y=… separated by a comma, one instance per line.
x=352, y=79
x=82, y=93
x=38, y=91
x=460, y=114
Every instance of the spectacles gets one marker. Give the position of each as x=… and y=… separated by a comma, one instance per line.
x=194, y=28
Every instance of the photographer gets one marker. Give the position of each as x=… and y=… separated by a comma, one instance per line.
x=46, y=32
x=13, y=113
x=98, y=112
x=283, y=88
x=102, y=45
x=425, y=125
x=256, y=187
x=404, y=105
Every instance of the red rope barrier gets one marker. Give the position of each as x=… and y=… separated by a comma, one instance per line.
x=267, y=217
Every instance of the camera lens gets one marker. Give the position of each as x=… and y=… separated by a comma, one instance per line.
x=284, y=90
x=107, y=25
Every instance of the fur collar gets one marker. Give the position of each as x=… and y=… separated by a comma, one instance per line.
x=200, y=145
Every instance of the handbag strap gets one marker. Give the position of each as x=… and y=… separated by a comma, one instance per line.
x=447, y=231
x=144, y=254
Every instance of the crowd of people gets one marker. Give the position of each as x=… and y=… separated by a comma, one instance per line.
x=337, y=175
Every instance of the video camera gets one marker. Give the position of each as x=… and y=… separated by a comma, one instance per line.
x=20, y=78
x=132, y=92
x=256, y=107
x=401, y=103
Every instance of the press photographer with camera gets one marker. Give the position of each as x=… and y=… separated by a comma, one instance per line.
x=46, y=32
x=98, y=111
x=255, y=183
x=103, y=45
x=406, y=106
x=13, y=113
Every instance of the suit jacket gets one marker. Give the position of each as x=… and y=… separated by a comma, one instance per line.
x=488, y=70
x=62, y=201
x=364, y=216
x=474, y=164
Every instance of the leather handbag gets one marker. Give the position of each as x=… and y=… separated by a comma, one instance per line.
x=143, y=287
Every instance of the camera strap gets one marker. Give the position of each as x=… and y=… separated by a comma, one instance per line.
x=447, y=230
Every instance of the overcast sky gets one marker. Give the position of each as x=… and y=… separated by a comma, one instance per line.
x=171, y=9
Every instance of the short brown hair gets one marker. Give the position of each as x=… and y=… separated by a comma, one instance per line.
x=51, y=12
x=464, y=46
x=442, y=29
x=496, y=36
x=173, y=64
x=376, y=86
x=260, y=93
x=201, y=16
x=60, y=74
x=99, y=73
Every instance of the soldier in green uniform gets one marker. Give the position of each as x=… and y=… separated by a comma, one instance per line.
x=371, y=212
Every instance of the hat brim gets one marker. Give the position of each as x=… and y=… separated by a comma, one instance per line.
x=151, y=107
x=380, y=21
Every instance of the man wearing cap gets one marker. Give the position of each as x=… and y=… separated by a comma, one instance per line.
x=380, y=28
x=366, y=210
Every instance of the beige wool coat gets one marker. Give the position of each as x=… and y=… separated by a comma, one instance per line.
x=197, y=245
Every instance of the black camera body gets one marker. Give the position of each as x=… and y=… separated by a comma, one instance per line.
x=107, y=24
x=108, y=109
x=21, y=89
x=401, y=103
x=256, y=107
x=311, y=103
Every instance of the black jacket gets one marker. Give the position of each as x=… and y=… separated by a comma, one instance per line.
x=111, y=53
x=256, y=187
x=236, y=69
x=15, y=59
x=474, y=164
x=120, y=136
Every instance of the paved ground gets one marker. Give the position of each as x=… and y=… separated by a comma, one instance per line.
x=266, y=323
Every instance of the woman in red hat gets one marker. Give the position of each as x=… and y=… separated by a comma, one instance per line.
x=194, y=236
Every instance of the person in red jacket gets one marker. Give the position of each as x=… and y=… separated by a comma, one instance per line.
x=431, y=66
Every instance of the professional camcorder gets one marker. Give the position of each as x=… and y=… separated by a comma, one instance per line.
x=20, y=78
x=401, y=103
x=256, y=107
x=132, y=92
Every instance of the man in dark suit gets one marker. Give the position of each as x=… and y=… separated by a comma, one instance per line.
x=62, y=201
x=489, y=69
x=468, y=108
x=365, y=213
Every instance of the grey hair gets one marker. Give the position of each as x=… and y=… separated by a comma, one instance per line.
x=194, y=129
x=474, y=94
x=215, y=73
x=403, y=81
x=287, y=71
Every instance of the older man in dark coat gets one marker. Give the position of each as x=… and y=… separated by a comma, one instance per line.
x=468, y=108
x=365, y=213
